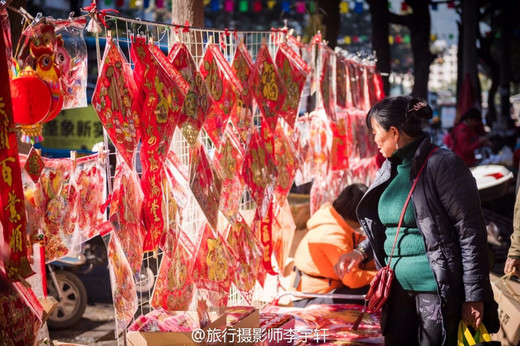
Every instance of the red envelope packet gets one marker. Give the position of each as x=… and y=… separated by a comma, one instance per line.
x=341, y=82
x=205, y=184
x=242, y=115
x=267, y=86
x=125, y=214
x=328, y=96
x=174, y=288
x=301, y=142
x=355, y=84
x=197, y=101
x=260, y=171
x=339, y=153
x=223, y=86
x=286, y=164
x=293, y=73
x=114, y=101
x=34, y=165
x=246, y=250
x=229, y=161
x=124, y=293
x=20, y=313
x=320, y=138
x=213, y=266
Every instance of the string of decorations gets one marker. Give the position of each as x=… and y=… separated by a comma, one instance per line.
x=299, y=6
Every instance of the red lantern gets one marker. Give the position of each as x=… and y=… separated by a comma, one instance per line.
x=31, y=98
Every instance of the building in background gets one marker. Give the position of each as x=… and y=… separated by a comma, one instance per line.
x=443, y=71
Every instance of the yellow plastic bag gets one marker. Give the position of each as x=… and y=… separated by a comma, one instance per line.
x=465, y=338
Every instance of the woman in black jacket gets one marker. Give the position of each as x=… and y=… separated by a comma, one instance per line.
x=440, y=258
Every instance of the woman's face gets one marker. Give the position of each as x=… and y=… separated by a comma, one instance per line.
x=385, y=140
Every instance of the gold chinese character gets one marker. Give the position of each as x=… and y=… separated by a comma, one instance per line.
x=154, y=208
x=7, y=172
x=14, y=216
x=4, y=134
x=15, y=243
x=2, y=106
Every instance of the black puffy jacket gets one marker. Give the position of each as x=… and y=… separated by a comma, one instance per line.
x=449, y=217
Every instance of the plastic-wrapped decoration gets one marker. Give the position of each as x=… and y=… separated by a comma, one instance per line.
x=174, y=288
x=293, y=72
x=260, y=172
x=205, y=183
x=213, y=267
x=125, y=213
x=229, y=161
x=114, y=100
x=224, y=87
x=246, y=250
x=197, y=101
x=124, y=293
x=268, y=89
x=242, y=114
x=72, y=58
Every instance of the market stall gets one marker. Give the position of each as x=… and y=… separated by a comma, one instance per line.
x=210, y=129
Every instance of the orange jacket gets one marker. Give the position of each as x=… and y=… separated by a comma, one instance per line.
x=328, y=238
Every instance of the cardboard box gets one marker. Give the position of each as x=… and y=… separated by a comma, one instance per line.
x=246, y=324
x=174, y=338
x=242, y=327
x=507, y=295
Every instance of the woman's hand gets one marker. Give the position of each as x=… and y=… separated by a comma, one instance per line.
x=472, y=313
x=512, y=266
x=346, y=262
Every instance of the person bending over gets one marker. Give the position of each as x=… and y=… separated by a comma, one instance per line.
x=333, y=231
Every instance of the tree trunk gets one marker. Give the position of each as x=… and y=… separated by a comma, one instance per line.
x=191, y=11
x=420, y=25
x=469, y=58
x=505, y=64
x=188, y=10
x=331, y=20
x=484, y=54
x=380, y=31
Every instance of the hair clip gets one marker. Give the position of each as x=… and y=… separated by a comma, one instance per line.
x=418, y=106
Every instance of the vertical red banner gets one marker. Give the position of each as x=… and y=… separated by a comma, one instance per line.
x=12, y=205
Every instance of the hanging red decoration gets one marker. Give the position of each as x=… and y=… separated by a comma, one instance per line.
x=257, y=6
x=31, y=98
x=12, y=207
x=229, y=6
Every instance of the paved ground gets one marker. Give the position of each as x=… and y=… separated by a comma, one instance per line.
x=95, y=328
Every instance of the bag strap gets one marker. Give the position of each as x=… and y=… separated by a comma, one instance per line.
x=464, y=336
x=406, y=203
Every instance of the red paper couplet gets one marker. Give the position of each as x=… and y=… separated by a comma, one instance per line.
x=12, y=207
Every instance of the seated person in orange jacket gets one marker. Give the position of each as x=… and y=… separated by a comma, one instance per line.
x=333, y=231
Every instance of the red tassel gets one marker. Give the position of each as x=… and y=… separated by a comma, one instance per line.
x=358, y=320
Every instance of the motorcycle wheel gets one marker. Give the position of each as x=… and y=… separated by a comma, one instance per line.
x=73, y=303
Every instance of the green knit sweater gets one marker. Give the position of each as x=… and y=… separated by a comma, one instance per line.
x=409, y=260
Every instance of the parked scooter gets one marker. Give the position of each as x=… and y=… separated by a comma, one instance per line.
x=64, y=285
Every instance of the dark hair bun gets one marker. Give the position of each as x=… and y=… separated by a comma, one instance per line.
x=420, y=109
